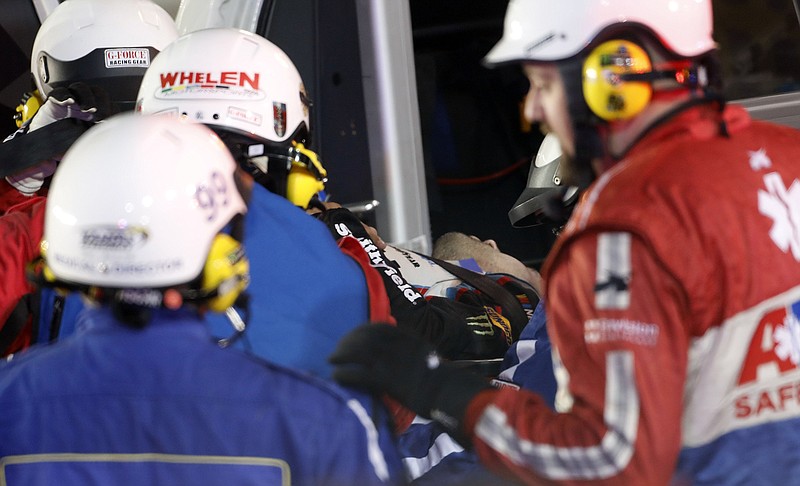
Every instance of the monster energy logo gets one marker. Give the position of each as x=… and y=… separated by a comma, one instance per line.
x=480, y=325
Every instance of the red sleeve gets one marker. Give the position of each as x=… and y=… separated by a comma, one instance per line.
x=614, y=318
x=10, y=197
x=379, y=307
x=21, y=230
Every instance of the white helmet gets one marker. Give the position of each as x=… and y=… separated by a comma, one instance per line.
x=545, y=195
x=109, y=43
x=249, y=91
x=230, y=79
x=542, y=30
x=161, y=190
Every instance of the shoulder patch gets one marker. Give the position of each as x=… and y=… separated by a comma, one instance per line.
x=613, y=275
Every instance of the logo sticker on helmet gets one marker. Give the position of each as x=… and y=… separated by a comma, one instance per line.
x=244, y=115
x=118, y=58
x=210, y=85
x=279, y=118
x=114, y=238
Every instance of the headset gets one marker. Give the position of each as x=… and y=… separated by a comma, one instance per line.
x=291, y=171
x=28, y=106
x=226, y=273
x=618, y=76
x=306, y=177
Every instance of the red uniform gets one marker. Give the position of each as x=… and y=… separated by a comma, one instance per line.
x=10, y=196
x=21, y=229
x=673, y=300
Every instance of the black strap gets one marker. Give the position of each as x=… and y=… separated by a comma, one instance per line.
x=55, y=319
x=512, y=308
x=29, y=149
x=19, y=318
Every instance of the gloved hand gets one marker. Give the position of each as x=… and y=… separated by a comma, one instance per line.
x=386, y=359
x=79, y=100
x=335, y=215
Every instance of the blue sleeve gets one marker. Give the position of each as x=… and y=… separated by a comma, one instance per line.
x=433, y=458
x=57, y=315
x=366, y=448
x=529, y=362
x=305, y=294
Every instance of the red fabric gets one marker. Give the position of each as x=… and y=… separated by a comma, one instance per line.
x=379, y=312
x=379, y=307
x=702, y=252
x=21, y=229
x=10, y=196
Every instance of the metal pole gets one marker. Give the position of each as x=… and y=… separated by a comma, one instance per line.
x=395, y=137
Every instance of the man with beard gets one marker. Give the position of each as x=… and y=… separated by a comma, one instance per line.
x=672, y=294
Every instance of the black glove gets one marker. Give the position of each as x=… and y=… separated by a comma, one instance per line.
x=80, y=101
x=386, y=359
x=335, y=218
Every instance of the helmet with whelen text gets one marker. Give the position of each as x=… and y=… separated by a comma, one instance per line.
x=105, y=43
x=163, y=192
x=250, y=92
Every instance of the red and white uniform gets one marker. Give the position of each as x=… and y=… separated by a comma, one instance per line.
x=673, y=300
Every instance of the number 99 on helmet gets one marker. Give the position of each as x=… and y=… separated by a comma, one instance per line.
x=140, y=202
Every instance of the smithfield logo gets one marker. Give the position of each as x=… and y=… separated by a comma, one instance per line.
x=774, y=351
x=113, y=238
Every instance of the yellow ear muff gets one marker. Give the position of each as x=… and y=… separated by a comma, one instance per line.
x=301, y=185
x=608, y=95
x=46, y=274
x=28, y=106
x=306, y=177
x=227, y=270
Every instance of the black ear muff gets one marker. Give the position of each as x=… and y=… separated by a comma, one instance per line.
x=609, y=88
x=226, y=272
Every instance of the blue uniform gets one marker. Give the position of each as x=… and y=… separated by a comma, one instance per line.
x=165, y=404
x=529, y=361
x=305, y=294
